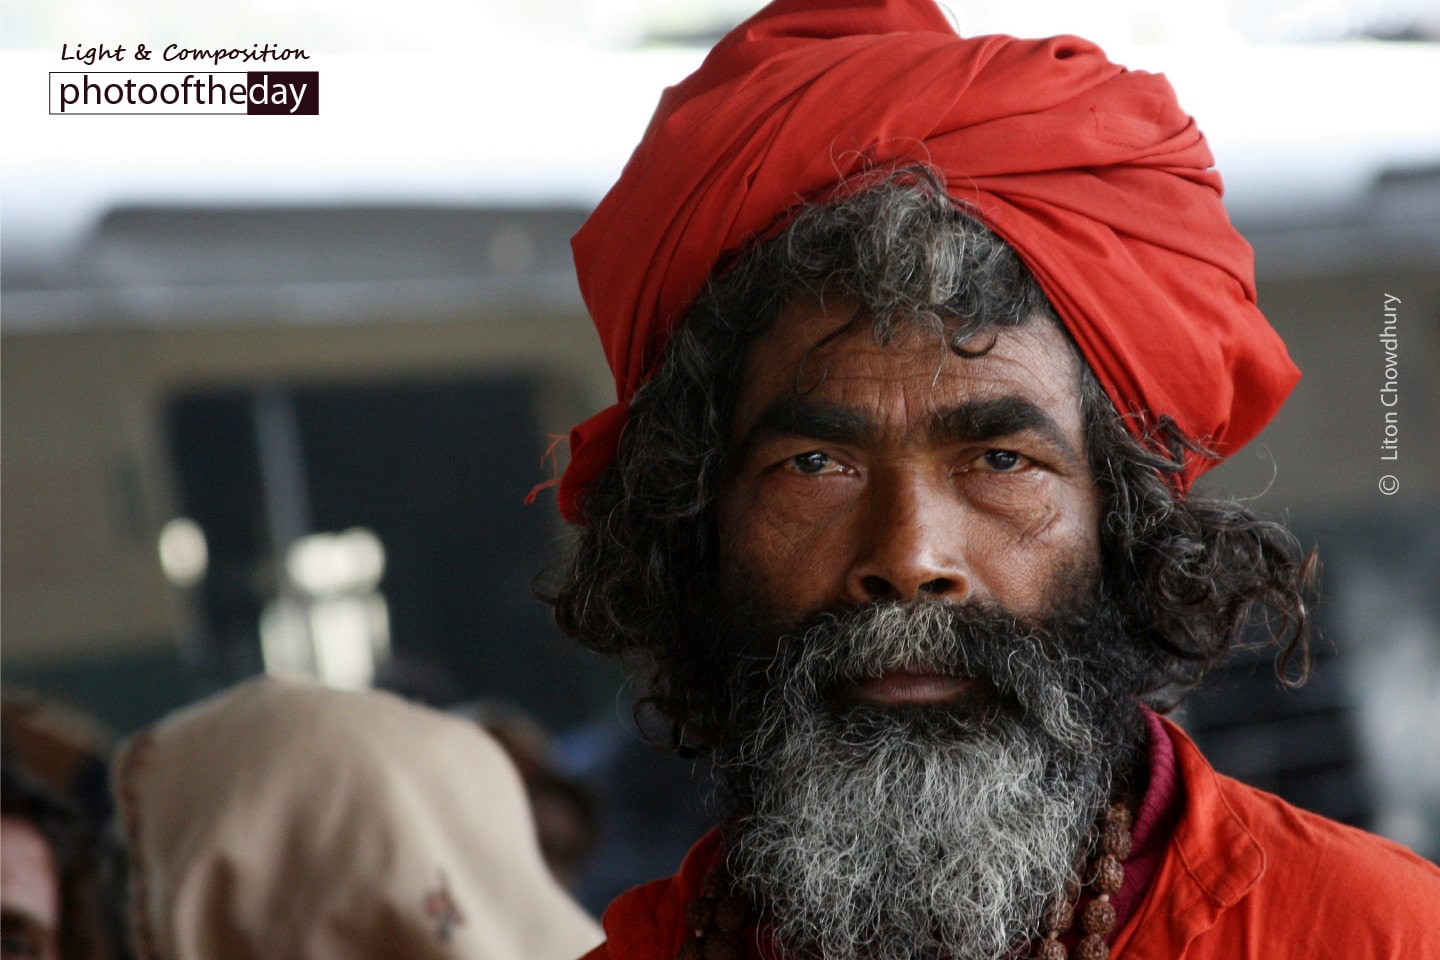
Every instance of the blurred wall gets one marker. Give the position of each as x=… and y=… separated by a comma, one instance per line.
x=322, y=297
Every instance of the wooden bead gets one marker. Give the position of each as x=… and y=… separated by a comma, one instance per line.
x=691, y=949
x=1115, y=841
x=716, y=883
x=731, y=914
x=1051, y=950
x=1098, y=917
x=1061, y=915
x=723, y=946
x=1115, y=834
x=1091, y=948
x=699, y=913
x=1109, y=875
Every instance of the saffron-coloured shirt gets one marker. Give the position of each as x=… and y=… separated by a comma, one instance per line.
x=1246, y=876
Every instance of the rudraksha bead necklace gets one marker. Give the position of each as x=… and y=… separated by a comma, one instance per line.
x=1105, y=877
x=719, y=915
x=717, y=919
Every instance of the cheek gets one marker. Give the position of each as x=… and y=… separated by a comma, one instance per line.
x=1029, y=563
x=1023, y=504
x=783, y=547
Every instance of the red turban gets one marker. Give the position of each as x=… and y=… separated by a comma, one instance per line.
x=1091, y=171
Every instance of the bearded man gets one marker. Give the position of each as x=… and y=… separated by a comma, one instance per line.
x=920, y=343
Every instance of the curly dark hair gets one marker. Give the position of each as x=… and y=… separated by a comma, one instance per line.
x=1188, y=573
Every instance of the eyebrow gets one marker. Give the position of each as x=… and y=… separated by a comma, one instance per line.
x=969, y=422
x=795, y=417
x=1000, y=417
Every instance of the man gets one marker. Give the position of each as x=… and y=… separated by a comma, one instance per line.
x=920, y=343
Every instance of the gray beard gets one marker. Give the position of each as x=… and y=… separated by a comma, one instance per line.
x=917, y=832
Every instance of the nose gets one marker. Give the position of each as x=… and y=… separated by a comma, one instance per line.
x=910, y=545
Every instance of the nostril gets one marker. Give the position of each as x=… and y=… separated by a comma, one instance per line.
x=937, y=587
x=878, y=588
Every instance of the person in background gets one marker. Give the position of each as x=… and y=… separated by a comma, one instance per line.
x=282, y=819
x=49, y=889
x=567, y=815
x=60, y=745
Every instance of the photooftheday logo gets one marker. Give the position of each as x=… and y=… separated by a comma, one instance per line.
x=271, y=92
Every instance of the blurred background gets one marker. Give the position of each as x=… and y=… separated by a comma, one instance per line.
x=275, y=389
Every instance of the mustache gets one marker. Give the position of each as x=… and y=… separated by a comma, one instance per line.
x=975, y=639
x=1047, y=672
x=851, y=643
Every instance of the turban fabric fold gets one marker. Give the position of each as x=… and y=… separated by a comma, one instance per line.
x=1090, y=171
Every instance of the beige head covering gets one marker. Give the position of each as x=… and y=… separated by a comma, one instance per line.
x=285, y=821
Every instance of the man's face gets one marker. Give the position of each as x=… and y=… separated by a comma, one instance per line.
x=928, y=693
x=29, y=893
x=904, y=471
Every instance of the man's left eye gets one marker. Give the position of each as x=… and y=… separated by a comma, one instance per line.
x=1003, y=461
x=812, y=462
